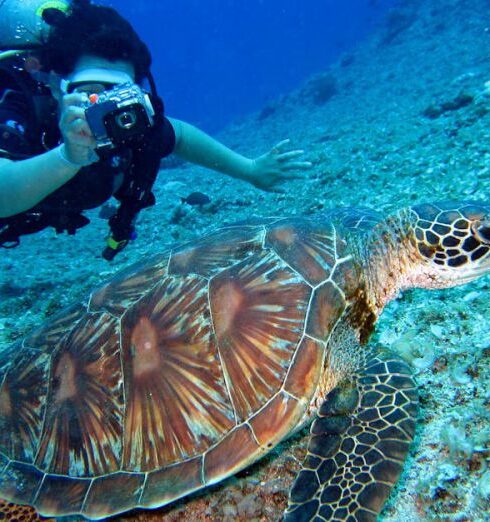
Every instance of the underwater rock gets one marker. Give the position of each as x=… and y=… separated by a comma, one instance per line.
x=321, y=88
x=267, y=111
x=347, y=59
x=461, y=100
x=397, y=21
x=9, y=289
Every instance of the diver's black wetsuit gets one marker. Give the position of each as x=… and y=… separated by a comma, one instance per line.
x=29, y=127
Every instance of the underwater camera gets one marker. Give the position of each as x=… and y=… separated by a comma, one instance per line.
x=120, y=115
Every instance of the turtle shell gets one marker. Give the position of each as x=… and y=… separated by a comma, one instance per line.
x=179, y=372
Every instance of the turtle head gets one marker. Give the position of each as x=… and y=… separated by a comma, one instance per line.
x=453, y=239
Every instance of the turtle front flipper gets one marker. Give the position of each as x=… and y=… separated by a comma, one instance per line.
x=358, y=445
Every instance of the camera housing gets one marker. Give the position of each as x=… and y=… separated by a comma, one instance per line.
x=119, y=116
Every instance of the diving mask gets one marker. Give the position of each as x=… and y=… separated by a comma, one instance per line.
x=93, y=80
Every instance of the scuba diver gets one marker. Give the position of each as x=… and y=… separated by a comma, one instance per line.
x=78, y=126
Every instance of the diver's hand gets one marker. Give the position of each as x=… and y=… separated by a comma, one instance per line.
x=77, y=137
x=276, y=166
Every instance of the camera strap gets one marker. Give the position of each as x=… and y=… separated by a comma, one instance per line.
x=153, y=87
x=136, y=192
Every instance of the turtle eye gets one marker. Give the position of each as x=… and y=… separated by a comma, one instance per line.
x=483, y=231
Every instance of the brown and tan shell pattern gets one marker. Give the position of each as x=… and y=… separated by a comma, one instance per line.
x=179, y=372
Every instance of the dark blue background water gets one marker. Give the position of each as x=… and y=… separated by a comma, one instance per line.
x=215, y=60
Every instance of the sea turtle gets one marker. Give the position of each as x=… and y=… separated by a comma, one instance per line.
x=192, y=365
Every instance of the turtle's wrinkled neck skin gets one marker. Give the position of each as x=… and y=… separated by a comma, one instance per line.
x=392, y=260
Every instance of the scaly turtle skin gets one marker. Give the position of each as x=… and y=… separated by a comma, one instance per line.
x=194, y=364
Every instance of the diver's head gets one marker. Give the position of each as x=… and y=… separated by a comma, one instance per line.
x=97, y=31
x=23, y=23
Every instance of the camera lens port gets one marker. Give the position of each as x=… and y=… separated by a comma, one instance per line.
x=126, y=120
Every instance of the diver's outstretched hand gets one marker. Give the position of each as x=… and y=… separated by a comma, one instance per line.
x=276, y=166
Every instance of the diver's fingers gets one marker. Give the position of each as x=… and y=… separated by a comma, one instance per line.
x=71, y=114
x=288, y=155
x=79, y=128
x=77, y=99
x=279, y=145
x=81, y=141
x=297, y=165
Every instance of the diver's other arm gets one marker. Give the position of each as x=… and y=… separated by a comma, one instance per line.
x=25, y=183
x=263, y=172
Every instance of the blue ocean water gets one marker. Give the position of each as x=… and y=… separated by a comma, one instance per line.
x=219, y=59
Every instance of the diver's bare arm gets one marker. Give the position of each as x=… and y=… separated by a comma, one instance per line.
x=196, y=146
x=25, y=183
x=265, y=172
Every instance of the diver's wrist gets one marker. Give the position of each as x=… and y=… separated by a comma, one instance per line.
x=63, y=164
x=249, y=170
x=61, y=154
x=66, y=156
